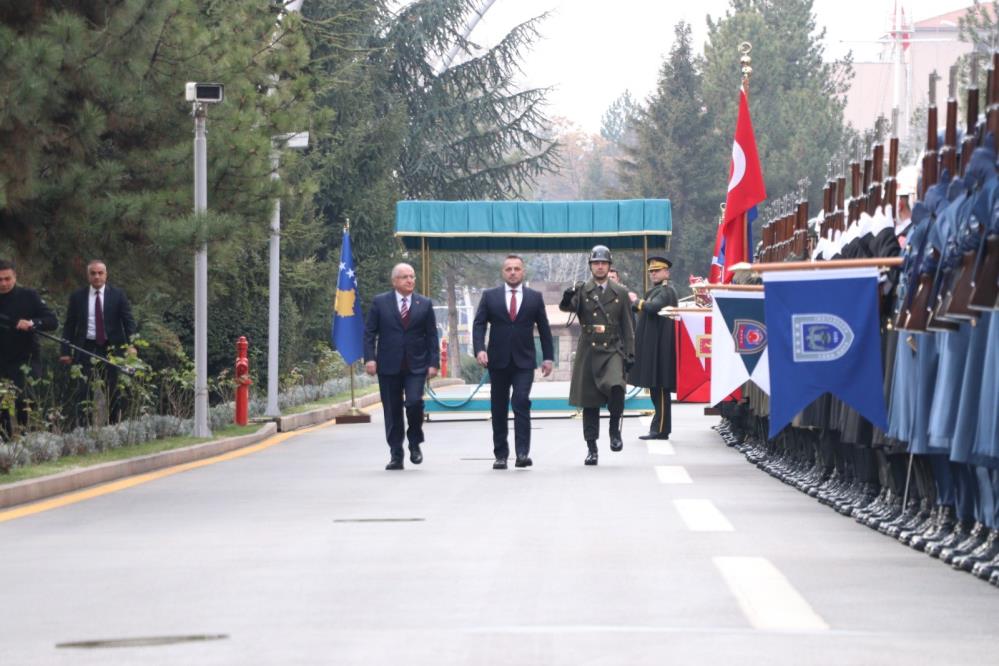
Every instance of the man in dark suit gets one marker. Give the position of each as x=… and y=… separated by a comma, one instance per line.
x=511, y=312
x=99, y=319
x=22, y=312
x=400, y=346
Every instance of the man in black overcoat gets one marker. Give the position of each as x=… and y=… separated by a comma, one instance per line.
x=22, y=312
x=655, y=347
x=511, y=312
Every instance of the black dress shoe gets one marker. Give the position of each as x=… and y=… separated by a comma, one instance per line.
x=591, y=453
x=500, y=463
x=615, y=443
x=415, y=454
x=395, y=463
x=523, y=461
x=654, y=435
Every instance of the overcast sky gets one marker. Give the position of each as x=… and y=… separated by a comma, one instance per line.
x=593, y=50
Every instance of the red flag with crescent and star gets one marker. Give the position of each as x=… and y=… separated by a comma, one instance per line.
x=746, y=190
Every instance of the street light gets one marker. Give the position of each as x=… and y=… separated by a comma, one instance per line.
x=201, y=95
x=297, y=140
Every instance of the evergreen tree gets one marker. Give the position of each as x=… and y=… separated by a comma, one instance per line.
x=672, y=157
x=796, y=99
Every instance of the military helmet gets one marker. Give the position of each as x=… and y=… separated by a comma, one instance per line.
x=600, y=253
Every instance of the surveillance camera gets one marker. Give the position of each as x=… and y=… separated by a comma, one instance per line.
x=206, y=93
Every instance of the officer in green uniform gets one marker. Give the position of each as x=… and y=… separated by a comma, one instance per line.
x=605, y=352
x=655, y=347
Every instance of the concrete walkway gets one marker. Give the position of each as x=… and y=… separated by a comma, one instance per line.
x=308, y=552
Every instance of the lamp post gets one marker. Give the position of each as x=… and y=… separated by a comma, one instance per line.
x=294, y=140
x=201, y=95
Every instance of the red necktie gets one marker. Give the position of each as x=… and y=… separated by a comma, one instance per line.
x=513, y=304
x=100, y=337
x=404, y=313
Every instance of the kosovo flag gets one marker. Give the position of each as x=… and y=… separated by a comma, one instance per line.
x=348, y=324
x=823, y=336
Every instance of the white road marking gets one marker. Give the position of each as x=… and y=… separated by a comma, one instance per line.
x=766, y=597
x=661, y=448
x=672, y=474
x=701, y=515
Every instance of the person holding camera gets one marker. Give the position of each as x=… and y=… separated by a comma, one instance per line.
x=605, y=352
x=655, y=347
x=22, y=312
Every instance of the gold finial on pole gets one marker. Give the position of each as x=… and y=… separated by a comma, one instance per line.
x=346, y=223
x=746, y=61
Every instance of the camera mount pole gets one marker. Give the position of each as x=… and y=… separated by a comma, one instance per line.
x=201, y=427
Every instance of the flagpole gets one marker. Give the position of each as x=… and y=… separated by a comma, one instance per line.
x=353, y=414
x=746, y=63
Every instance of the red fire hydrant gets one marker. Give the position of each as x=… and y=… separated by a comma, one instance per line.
x=243, y=381
x=444, y=357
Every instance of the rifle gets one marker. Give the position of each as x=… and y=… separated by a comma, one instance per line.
x=984, y=290
x=944, y=282
x=917, y=312
x=956, y=303
x=7, y=321
x=877, y=176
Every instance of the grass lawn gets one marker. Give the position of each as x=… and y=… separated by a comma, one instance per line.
x=156, y=446
x=332, y=400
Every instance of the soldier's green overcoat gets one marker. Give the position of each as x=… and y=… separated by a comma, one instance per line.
x=600, y=355
x=655, y=341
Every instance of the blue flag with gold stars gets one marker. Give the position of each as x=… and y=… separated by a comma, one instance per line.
x=348, y=324
x=823, y=336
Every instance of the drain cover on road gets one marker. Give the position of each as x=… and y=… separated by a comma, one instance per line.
x=147, y=641
x=379, y=520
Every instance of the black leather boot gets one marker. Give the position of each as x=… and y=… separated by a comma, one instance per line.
x=615, y=434
x=591, y=453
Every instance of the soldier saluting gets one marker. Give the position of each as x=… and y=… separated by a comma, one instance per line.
x=605, y=352
x=655, y=347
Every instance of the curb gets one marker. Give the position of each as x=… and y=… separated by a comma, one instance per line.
x=31, y=490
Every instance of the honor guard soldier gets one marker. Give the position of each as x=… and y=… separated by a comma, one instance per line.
x=605, y=352
x=655, y=347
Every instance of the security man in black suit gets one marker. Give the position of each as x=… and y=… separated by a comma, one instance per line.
x=401, y=347
x=511, y=312
x=22, y=311
x=99, y=319
x=655, y=347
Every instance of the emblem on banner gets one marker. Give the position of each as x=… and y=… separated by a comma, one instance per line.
x=702, y=346
x=750, y=336
x=820, y=337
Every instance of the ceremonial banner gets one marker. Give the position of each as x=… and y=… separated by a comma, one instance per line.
x=693, y=357
x=348, y=324
x=823, y=335
x=746, y=189
x=739, y=343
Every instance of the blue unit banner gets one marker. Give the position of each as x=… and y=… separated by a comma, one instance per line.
x=824, y=336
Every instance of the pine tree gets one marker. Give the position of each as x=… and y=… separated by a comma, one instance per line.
x=796, y=99
x=671, y=157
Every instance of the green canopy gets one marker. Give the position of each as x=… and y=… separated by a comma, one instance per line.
x=539, y=226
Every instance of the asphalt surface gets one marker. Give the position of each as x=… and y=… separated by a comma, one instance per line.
x=308, y=552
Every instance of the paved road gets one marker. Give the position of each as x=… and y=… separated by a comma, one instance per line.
x=671, y=555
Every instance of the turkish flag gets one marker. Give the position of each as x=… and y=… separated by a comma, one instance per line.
x=693, y=356
x=746, y=190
